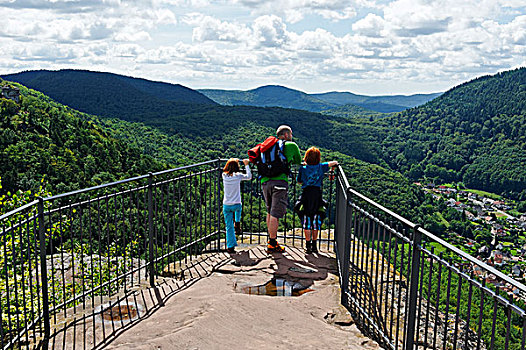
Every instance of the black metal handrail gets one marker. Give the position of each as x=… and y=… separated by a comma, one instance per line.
x=407, y=296
x=64, y=256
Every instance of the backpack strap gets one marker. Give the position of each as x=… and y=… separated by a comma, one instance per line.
x=281, y=150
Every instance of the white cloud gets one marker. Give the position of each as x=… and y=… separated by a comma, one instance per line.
x=209, y=28
x=295, y=10
x=245, y=43
x=372, y=25
x=270, y=31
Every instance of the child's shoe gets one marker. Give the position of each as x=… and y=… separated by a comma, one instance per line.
x=275, y=248
x=308, y=247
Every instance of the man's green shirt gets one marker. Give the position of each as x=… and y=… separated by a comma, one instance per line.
x=292, y=153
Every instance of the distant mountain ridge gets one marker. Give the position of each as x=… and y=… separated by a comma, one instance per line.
x=109, y=95
x=384, y=104
x=268, y=96
x=280, y=96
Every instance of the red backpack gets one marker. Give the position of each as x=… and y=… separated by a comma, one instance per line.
x=269, y=158
x=254, y=154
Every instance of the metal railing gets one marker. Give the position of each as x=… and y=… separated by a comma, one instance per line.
x=409, y=289
x=74, y=260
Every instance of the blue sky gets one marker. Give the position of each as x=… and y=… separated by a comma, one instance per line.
x=362, y=46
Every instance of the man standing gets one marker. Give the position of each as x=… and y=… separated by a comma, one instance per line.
x=275, y=189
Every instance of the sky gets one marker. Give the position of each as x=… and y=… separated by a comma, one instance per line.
x=372, y=47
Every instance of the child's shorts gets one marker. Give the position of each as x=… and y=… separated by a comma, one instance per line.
x=312, y=222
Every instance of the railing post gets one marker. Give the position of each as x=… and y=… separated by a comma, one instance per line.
x=150, y=230
x=219, y=201
x=346, y=258
x=413, y=289
x=43, y=273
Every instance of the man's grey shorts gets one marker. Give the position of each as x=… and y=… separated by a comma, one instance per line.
x=276, y=197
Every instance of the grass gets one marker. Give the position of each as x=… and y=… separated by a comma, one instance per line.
x=485, y=194
x=442, y=220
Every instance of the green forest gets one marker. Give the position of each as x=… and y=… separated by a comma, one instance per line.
x=69, y=137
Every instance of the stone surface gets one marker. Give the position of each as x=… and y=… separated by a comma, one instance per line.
x=210, y=314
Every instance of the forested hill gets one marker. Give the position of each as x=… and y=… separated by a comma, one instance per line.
x=41, y=139
x=112, y=95
x=473, y=133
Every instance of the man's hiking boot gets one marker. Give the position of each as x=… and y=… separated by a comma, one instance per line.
x=308, y=247
x=237, y=227
x=275, y=248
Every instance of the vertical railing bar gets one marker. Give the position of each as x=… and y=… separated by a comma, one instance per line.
x=384, y=315
x=481, y=311
x=22, y=284
x=15, y=274
x=90, y=233
x=393, y=268
x=420, y=294
x=83, y=274
x=180, y=219
x=109, y=258
x=31, y=288
x=200, y=196
x=429, y=280
x=185, y=215
x=495, y=304
x=354, y=254
x=174, y=225
x=160, y=218
x=406, y=272
x=362, y=255
x=413, y=288
x=218, y=199
x=508, y=327
x=43, y=273
x=36, y=244
x=141, y=232
x=346, y=255
x=398, y=311
x=2, y=335
x=437, y=299
x=150, y=230
x=125, y=231
x=99, y=251
x=260, y=194
x=329, y=211
x=250, y=185
x=8, y=291
x=468, y=317
x=295, y=198
x=378, y=229
x=157, y=223
x=448, y=298
x=457, y=318
x=69, y=211
x=367, y=275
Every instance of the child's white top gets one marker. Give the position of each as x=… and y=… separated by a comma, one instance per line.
x=231, y=186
